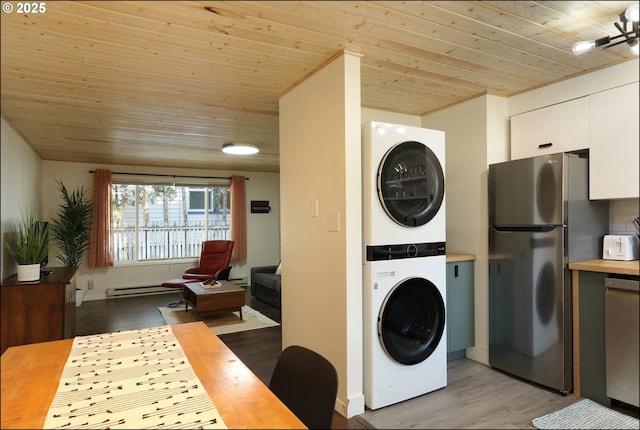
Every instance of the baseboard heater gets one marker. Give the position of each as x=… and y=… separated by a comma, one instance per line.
x=138, y=291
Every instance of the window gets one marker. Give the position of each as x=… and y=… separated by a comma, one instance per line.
x=218, y=199
x=152, y=222
x=196, y=200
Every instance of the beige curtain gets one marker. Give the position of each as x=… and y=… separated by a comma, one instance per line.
x=101, y=249
x=238, y=218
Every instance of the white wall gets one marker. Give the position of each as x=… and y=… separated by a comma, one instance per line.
x=467, y=154
x=263, y=230
x=21, y=173
x=320, y=159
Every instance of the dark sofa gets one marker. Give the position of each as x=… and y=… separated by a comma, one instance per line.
x=266, y=285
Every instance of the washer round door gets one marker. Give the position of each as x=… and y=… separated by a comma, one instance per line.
x=410, y=184
x=411, y=321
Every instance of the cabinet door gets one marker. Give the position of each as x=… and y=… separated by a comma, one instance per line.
x=7, y=337
x=613, y=153
x=460, y=313
x=592, y=363
x=559, y=128
x=37, y=312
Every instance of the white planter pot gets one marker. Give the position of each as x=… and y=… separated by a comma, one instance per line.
x=79, y=296
x=28, y=272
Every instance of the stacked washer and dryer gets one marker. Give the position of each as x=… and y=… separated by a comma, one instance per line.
x=405, y=264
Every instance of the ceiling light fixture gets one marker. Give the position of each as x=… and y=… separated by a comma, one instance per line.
x=239, y=149
x=630, y=35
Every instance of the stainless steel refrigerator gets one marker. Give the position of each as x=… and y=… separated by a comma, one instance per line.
x=540, y=221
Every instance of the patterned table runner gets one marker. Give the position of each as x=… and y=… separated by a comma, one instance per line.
x=131, y=379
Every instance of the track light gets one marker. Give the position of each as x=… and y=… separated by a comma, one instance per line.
x=632, y=14
x=239, y=149
x=584, y=46
x=630, y=36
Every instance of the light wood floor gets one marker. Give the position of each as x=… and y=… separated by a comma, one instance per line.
x=476, y=396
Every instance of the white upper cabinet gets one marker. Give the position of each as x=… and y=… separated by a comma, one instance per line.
x=613, y=153
x=559, y=128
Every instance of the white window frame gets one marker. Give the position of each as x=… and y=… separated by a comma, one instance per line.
x=188, y=184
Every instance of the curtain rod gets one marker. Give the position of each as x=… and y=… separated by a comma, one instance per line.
x=169, y=176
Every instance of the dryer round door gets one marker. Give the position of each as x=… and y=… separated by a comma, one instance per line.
x=410, y=184
x=411, y=321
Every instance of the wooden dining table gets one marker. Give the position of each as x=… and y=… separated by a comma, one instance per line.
x=30, y=375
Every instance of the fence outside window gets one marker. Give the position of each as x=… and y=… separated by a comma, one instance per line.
x=168, y=226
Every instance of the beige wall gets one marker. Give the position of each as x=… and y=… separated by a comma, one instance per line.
x=21, y=179
x=320, y=160
x=467, y=154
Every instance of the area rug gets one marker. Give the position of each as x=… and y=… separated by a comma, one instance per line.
x=223, y=323
x=586, y=414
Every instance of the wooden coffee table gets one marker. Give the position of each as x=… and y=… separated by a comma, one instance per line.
x=227, y=298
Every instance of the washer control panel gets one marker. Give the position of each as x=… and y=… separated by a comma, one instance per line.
x=409, y=250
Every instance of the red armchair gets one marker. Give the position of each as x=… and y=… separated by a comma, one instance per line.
x=215, y=259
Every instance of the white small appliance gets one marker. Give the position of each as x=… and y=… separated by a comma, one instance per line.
x=623, y=247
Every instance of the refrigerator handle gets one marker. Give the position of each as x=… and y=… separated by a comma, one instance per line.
x=530, y=228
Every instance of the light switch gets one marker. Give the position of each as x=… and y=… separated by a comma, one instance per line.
x=314, y=207
x=334, y=221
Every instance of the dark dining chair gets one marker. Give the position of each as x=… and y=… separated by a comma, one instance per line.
x=307, y=383
x=215, y=260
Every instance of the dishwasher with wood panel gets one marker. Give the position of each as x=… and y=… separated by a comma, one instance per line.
x=621, y=338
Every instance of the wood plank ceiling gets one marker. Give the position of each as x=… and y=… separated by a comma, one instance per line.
x=167, y=83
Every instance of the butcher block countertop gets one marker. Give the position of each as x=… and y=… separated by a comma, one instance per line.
x=608, y=266
x=451, y=258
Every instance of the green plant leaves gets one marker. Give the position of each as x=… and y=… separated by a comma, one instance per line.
x=27, y=241
x=71, y=227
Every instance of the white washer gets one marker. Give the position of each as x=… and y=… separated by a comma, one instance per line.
x=405, y=334
x=403, y=184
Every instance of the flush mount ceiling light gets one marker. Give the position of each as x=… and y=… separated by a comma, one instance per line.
x=630, y=35
x=239, y=149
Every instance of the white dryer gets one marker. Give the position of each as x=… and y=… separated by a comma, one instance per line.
x=405, y=315
x=403, y=184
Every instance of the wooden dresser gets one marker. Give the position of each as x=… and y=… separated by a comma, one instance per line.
x=38, y=311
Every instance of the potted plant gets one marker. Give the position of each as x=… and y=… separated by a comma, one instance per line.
x=71, y=227
x=28, y=241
